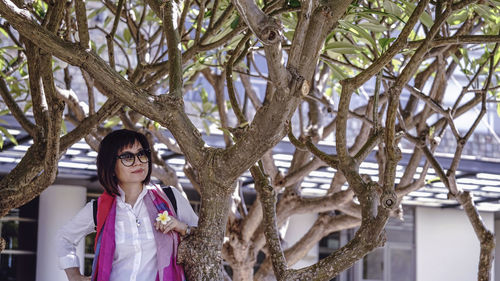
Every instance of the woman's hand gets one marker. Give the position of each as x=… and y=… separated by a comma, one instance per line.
x=73, y=274
x=172, y=224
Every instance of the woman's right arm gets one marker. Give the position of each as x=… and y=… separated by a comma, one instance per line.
x=73, y=274
x=68, y=238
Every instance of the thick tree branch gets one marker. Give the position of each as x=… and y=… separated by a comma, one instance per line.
x=169, y=12
x=267, y=197
x=81, y=19
x=161, y=108
x=457, y=40
x=7, y=98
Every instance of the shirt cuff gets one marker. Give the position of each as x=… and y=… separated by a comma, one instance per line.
x=69, y=261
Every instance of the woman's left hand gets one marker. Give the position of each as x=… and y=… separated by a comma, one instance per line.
x=172, y=224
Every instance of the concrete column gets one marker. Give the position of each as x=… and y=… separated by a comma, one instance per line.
x=58, y=204
x=298, y=225
x=496, y=262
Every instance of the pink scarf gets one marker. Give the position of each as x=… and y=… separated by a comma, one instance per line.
x=166, y=253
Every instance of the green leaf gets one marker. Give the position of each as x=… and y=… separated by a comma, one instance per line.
x=101, y=49
x=207, y=128
x=113, y=121
x=373, y=27
x=40, y=8
x=4, y=32
x=425, y=18
x=457, y=17
x=204, y=95
x=212, y=119
x=392, y=8
x=384, y=42
x=64, y=129
x=343, y=48
x=226, y=132
x=107, y=20
x=337, y=72
x=235, y=22
x=126, y=35
x=93, y=46
x=4, y=112
x=196, y=107
x=431, y=131
x=293, y=3
x=359, y=31
x=27, y=106
x=484, y=11
x=430, y=181
x=207, y=106
x=96, y=11
x=8, y=135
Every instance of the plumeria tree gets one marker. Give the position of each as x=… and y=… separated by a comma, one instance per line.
x=60, y=58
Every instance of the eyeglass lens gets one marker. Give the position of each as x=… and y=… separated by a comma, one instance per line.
x=128, y=158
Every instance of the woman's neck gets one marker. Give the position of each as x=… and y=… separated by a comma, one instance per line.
x=132, y=191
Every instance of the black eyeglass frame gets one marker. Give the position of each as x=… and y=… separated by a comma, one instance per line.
x=136, y=155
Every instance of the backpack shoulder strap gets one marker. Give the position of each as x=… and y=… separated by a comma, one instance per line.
x=170, y=194
x=94, y=209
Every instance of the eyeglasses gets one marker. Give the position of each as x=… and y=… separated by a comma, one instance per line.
x=128, y=158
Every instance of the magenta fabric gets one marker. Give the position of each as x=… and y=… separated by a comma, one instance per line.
x=107, y=249
x=104, y=246
x=166, y=244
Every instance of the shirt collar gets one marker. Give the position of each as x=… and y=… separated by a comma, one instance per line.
x=141, y=195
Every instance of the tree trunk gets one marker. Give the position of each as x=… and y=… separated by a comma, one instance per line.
x=201, y=252
x=243, y=272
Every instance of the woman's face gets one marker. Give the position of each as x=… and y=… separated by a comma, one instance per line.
x=136, y=172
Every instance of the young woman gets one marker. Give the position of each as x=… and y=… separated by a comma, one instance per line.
x=132, y=242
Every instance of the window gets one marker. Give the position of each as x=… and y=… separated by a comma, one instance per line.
x=329, y=244
x=19, y=229
x=396, y=260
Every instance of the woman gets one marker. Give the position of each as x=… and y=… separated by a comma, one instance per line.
x=132, y=243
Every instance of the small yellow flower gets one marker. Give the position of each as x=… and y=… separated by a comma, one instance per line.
x=163, y=217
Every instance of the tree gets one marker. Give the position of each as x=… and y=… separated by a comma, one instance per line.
x=313, y=51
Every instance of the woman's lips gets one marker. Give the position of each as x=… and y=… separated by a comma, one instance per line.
x=138, y=171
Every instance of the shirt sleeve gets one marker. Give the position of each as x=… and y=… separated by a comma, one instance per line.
x=71, y=234
x=184, y=210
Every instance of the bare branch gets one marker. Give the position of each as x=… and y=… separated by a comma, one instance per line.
x=27, y=125
x=81, y=19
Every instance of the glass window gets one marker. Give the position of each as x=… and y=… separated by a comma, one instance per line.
x=400, y=261
x=17, y=267
x=19, y=234
x=395, y=261
x=329, y=244
x=373, y=265
x=19, y=229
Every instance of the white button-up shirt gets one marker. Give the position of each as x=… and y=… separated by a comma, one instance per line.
x=135, y=253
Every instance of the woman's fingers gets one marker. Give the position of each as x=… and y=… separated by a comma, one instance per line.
x=172, y=224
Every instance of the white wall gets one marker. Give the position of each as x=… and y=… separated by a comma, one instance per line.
x=298, y=225
x=58, y=204
x=446, y=246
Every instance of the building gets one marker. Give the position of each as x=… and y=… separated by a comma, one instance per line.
x=434, y=242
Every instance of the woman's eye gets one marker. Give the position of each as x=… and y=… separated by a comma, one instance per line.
x=128, y=156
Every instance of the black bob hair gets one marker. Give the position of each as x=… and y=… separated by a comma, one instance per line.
x=107, y=157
